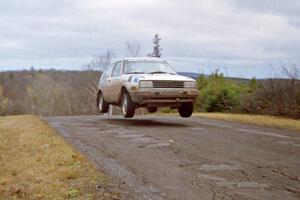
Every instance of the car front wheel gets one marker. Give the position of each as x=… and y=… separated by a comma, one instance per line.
x=102, y=104
x=186, y=109
x=128, y=107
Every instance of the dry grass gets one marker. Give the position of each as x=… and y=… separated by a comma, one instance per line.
x=277, y=122
x=35, y=163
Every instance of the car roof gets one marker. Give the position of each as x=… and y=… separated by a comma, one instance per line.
x=144, y=59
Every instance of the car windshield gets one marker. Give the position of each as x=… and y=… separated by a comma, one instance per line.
x=148, y=67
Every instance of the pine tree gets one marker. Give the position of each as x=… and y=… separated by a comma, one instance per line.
x=156, y=48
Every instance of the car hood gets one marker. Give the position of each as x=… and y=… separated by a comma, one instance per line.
x=162, y=77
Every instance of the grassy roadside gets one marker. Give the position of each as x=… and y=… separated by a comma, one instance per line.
x=263, y=120
x=270, y=121
x=35, y=163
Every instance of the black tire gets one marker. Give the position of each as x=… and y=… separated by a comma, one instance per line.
x=102, y=104
x=151, y=109
x=186, y=109
x=127, y=106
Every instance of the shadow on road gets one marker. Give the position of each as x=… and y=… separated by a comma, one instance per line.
x=143, y=122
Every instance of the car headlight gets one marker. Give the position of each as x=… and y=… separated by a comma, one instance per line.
x=190, y=84
x=146, y=84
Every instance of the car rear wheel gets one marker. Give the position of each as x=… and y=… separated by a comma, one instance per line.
x=102, y=104
x=151, y=109
x=128, y=107
x=186, y=109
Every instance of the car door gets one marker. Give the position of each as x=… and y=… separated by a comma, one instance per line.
x=115, y=82
x=103, y=83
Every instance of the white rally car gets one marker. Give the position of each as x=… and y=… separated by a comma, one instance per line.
x=145, y=82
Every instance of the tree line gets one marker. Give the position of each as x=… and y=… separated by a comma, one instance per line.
x=278, y=96
x=54, y=93
x=47, y=93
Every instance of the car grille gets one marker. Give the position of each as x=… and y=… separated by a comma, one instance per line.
x=168, y=84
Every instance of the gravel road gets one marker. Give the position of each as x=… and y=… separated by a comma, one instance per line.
x=162, y=157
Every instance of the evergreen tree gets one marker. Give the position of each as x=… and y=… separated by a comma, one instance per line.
x=156, y=47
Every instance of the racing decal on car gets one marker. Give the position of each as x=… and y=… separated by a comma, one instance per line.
x=135, y=79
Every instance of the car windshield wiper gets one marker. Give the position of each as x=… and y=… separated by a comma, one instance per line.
x=158, y=72
x=135, y=73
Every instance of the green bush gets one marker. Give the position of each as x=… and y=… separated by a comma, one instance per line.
x=219, y=94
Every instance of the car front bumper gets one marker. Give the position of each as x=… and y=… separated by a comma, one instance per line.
x=163, y=96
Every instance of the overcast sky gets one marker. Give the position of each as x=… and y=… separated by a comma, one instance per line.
x=241, y=37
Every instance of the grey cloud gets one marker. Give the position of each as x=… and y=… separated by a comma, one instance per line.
x=221, y=30
x=287, y=8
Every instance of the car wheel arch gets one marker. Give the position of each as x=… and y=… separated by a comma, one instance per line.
x=97, y=98
x=123, y=90
x=98, y=95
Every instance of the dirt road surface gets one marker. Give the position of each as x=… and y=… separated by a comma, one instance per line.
x=151, y=157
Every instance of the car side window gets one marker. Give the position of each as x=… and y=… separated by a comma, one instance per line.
x=106, y=73
x=117, y=70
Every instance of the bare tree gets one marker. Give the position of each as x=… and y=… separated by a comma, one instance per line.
x=133, y=48
x=101, y=61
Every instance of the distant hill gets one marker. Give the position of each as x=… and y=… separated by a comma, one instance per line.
x=195, y=76
x=189, y=74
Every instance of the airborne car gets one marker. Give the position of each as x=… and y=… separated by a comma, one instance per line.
x=145, y=82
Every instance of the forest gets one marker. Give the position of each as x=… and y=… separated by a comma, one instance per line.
x=56, y=93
